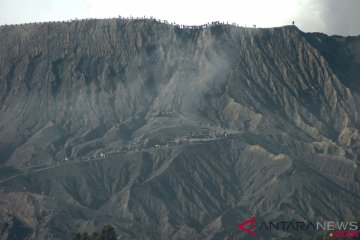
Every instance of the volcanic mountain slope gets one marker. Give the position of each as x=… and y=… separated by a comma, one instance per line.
x=175, y=133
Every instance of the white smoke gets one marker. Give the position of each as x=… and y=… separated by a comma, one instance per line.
x=333, y=17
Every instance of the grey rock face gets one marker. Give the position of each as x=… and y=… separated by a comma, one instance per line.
x=172, y=133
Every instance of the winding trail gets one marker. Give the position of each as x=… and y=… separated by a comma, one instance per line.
x=176, y=143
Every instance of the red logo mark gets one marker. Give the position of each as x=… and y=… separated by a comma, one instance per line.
x=252, y=226
x=345, y=234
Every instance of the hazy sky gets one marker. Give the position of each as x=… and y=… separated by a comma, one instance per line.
x=330, y=16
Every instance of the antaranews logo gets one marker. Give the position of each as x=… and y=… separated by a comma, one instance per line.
x=337, y=229
x=247, y=222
